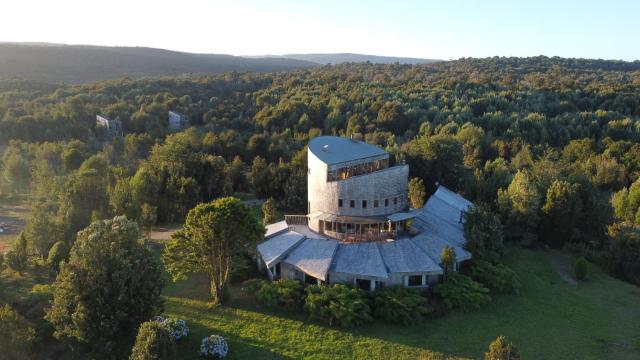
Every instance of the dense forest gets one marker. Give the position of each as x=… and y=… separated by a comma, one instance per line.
x=549, y=144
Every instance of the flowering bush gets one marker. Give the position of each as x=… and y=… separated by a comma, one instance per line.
x=214, y=346
x=176, y=327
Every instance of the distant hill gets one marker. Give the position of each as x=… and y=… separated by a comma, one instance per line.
x=55, y=63
x=339, y=58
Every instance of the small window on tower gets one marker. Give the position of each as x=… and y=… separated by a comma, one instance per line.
x=376, y=203
x=386, y=202
x=364, y=204
x=339, y=202
x=395, y=201
x=352, y=204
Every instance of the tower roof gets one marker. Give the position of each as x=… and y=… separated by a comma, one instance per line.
x=334, y=149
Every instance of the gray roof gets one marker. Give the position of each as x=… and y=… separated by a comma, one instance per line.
x=399, y=216
x=313, y=256
x=359, y=259
x=275, y=248
x=438, y=222
x=452, y=199
x=276, y=228
x=433, y=245
x=403, y=256
x=334, y=149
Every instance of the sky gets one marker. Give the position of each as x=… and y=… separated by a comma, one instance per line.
x=444, y=29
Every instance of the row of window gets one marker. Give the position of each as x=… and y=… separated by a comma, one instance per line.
x=365, y=203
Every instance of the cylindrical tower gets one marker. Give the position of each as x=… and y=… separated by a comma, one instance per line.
x=351, y=188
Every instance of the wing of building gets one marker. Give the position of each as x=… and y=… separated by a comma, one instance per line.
x=359, y=228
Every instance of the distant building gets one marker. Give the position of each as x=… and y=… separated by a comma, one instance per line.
x=113, y=128
x=359, y=229
x=177, y=121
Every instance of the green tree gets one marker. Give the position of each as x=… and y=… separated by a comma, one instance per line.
x=519, y=205
x=148, y=218
x=261, y=177
x=437, y=158
x=154, y=342
x=417, y=193
x=17, y=257
x=483, y=232
x=269, y=211
x=560, y=214
x=58, y=252
x=213, y=233
x=109, y=286
x=448, y=260
x=41, y=230
x=16, y=335
x=501, y=349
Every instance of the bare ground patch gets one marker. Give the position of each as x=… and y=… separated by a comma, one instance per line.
x=12, y=219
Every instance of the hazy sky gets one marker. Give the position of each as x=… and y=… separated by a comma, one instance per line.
x=608, y=29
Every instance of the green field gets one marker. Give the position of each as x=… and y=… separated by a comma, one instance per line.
x=550, y=319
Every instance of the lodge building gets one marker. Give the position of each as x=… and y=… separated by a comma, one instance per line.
x=359, y=228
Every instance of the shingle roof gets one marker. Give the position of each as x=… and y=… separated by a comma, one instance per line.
x=313, y=256
x=276, y=247
x=359, y=259
x=403, y=256
x=334, y=149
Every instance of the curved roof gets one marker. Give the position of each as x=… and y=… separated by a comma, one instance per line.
x=334, y=149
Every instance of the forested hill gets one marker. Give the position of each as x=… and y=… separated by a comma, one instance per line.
x=340, y=58
x=67, y=64
x=551, y=145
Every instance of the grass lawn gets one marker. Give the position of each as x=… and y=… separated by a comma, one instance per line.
x=550, y=319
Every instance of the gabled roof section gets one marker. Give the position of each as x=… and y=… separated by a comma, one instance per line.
x=359, y=259
x=277, y=247
x=452, y=199
x=334, y=149
x=276, y=228
x=313, y=256
x=403, y=256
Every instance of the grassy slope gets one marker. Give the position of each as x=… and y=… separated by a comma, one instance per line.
x=549, y=319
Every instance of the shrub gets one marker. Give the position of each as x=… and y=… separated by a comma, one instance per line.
x=337, y=304
x=499, y=278
x=16, y=335
x=176, y=327
x=462, y=292
x=500, y=349
x=17, y=257
x=285, y=293
x=400, y=305
x=581, y=269
x=154, y=342
x=58, y=252
x=214, y=346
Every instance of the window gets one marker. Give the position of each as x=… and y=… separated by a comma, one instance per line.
x=379, y=284
x=415, y=280
x=386, y=202
x=352, y=203
x=339, y=202
x=363, y=284
x=376, y=203
x=364, y=204
x=308, y=279
x=395, y=201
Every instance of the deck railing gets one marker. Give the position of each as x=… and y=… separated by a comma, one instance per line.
x=296, y=219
